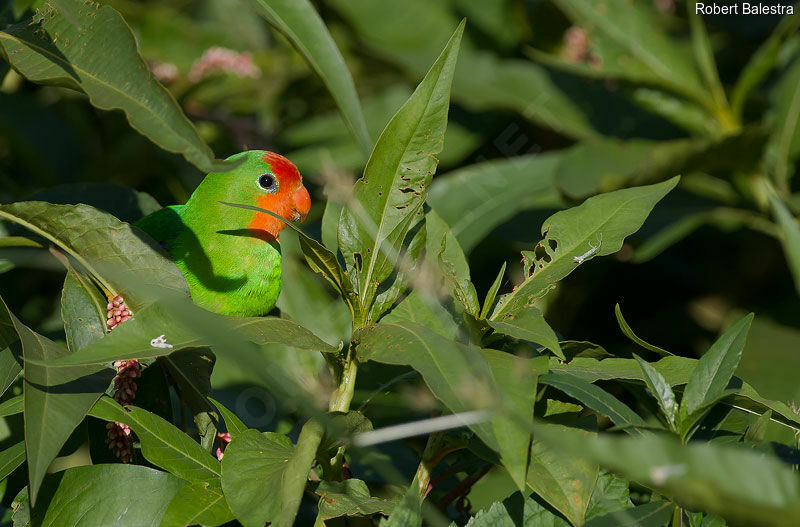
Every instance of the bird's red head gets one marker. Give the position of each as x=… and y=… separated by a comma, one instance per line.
x=283, y=193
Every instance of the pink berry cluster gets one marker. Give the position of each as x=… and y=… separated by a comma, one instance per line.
x=117, y=312
x=223, y=60
x=223, y=438
x=119, y=434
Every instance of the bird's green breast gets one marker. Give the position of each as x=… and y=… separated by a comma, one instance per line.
x=231, y=271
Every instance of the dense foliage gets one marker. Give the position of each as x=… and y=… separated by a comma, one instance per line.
x=414, y=370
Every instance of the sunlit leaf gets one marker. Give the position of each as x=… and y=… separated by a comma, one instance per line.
x=91, y=49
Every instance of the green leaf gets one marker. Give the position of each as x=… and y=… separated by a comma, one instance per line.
x=420, y=308
x=783, y=119
x=350, y=497
x=631, y=45
x=517, y=511
x=762, y=62
x=83, y=310
x=704, y=55
x=252, y=471
x=661, y=391
x=445, y=254
x=758, y=429
x=303, y=26
x=122, y=202
x=566, y=483
x=790, y=231
x=295, y=474
x=528, y=324
x=91, y=49
x=112, y=251
x=50, y=414
x=11, y=458
x=86, y=496
x=9, y=367
x=12, y=406
x=233, y=424
x=163, y=444
x=198, y=503
x=597, y=399
x=740, y=485
x=488, y=302
x=187, y=326
x=611, y=493
x=464, y=378
x=590, y=168
x=714, y=370
x=653, y=514
x=476, y=199
x=571, y=234
x=393, y=187
x=628, y=332
x=407, y=513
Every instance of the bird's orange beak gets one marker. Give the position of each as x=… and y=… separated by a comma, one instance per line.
x=302, y=203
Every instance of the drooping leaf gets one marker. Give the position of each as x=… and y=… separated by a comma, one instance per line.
x=601, y=221
x=528, y=324
x=112, y=251
x=476, y=199
x=597, y=399
x=163, y=444
x=198, y=503
x=661, y=391
x=628, y=332
x=302, y=25
x=350, y=497
x=85, y=496
x=566, y=483
x=252, y=470
x=393, y=188
x=190, y=328
x=90, y=48
x=714, y=370
x=738, y=484
x=50, y=414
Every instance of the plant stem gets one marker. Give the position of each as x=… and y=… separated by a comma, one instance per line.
x=340, y=401
x=428, y=462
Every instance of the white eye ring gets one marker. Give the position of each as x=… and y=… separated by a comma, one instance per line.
x=268, y=182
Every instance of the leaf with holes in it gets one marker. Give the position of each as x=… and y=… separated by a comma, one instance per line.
x=595, y=228
x=90, y=48
x=393, y=187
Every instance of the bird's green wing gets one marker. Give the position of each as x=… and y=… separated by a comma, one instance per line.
x=164, y=225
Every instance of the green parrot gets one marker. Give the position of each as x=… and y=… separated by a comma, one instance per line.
x=231, y=257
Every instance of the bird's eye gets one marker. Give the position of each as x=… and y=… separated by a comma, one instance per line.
x=268, y=182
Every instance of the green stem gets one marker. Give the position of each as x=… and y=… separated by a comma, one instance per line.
x=428, y=462
x=343, y=396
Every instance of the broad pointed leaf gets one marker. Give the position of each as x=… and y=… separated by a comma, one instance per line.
x=91, y=49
